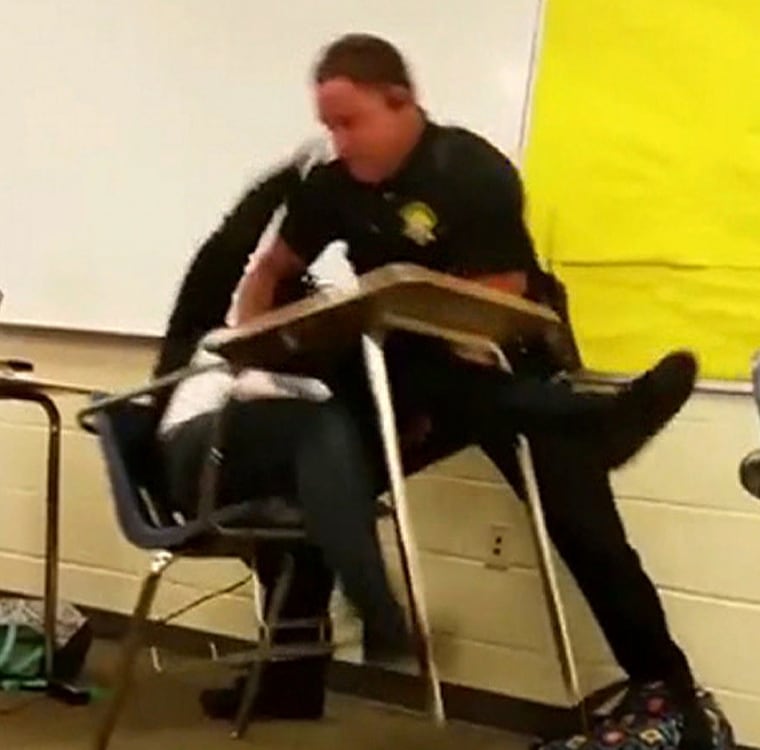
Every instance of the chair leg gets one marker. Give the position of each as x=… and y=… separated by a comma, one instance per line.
x=557, y=615
x=130, y=649
x=377, y=373
x=253, y=682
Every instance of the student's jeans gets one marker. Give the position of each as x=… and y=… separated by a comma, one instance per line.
x=310, y=452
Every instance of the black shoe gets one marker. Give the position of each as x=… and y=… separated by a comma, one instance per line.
x=640, y=699
x=697, y=732
x=646, y=405
x=390, y=646
x=224, y=704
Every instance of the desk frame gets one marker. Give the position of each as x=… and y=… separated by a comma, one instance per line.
x=393, y=312
x=377, y=373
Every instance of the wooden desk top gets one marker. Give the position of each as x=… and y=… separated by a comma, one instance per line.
x=302, y=336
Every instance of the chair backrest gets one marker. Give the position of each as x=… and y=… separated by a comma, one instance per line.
x=126, y=433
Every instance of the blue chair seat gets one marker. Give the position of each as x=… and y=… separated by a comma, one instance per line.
x=126, y=433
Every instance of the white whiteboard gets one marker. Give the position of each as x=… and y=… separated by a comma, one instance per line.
x=130, y=127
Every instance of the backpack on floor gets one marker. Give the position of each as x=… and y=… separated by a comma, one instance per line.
x=22, y=643
x=650, y=722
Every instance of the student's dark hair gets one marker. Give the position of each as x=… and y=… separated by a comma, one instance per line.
x=364, y=59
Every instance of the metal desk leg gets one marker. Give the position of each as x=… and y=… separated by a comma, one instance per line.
x=557, y=614
x=377, y=374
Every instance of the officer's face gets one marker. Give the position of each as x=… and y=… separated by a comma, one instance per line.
x=367, y=126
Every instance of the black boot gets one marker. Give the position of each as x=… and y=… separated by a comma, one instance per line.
x=292, y=690
x=387, y=641
x=646, y=406
x=696, y=732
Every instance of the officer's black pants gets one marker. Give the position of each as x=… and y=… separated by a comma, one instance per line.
x=485, y=407
x=581, y=515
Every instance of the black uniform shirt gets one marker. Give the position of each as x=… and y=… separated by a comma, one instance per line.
x=455, y=206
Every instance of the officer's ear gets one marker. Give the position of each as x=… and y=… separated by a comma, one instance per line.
x=398, y=97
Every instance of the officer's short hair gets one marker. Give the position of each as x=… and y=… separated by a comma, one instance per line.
x=364, y=59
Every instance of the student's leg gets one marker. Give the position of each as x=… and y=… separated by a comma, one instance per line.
x=325, y=469
x=289, y=689
x=312, y=452
x=308, y=451
x=308, y=597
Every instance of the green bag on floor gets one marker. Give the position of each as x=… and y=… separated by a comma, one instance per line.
x=22, y=643
x=22, y=653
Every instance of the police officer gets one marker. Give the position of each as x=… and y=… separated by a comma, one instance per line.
x=404, y=189
x=281, y=437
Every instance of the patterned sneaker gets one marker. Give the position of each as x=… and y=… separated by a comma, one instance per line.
x=648, y=718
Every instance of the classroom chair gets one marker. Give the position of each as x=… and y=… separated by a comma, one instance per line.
x=125, y=432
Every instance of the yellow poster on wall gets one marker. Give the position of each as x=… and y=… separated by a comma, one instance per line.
x=643, y=175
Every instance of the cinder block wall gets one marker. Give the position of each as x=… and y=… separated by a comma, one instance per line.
x=698, y=532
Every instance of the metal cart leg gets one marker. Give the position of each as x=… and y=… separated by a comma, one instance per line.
x=52, y=530
x=377, y=374
x=52, y=686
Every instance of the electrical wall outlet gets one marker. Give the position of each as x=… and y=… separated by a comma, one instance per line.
x=497, y=553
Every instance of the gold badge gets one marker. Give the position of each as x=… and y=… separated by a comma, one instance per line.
x=420, y=222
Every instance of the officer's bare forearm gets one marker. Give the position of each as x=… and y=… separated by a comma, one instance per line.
x=514, y=282
x=257, y=289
